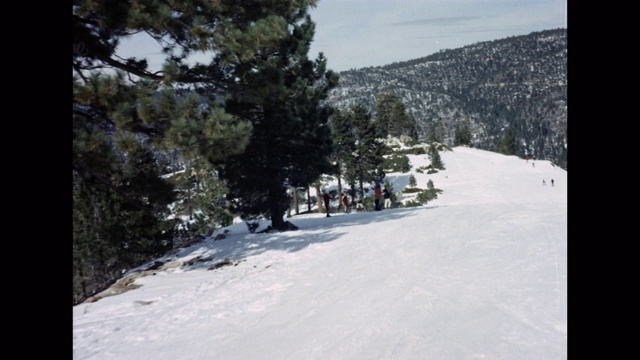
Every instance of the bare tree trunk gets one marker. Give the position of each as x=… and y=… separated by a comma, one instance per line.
x=319, y=200
x=276, y=209
x=295, y=200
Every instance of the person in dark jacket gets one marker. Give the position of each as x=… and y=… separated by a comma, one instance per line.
x=327, y=199
x=387, y=198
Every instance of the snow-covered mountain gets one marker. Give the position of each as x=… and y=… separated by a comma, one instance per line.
x=518, y=82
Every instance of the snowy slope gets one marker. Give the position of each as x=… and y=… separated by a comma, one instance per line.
x=480, y=272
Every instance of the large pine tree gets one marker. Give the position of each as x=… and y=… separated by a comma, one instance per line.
x=344, y=144
x=392, y=117
x=369, y=149
x=125, y=113
x=291, y=143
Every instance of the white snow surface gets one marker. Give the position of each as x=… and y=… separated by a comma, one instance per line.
x=478, y=273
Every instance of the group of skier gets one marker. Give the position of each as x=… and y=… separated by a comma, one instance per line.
x=544, y=183
x=378, y=192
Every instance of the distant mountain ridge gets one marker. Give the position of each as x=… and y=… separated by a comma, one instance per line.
x=518, y=82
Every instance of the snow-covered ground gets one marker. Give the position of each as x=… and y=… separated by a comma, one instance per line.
x=480, y=272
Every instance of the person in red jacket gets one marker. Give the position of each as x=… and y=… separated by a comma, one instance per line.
x=378, y=195
x=345, y=202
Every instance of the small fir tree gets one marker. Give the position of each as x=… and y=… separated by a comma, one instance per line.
x=434, y=156
x=412, y=181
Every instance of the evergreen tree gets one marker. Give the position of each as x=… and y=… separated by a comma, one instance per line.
x=412, y=126
x=392, y=117
x=412, y=181
x=431, y=132
x=291, y=143
x=462, y=135
x=434, y=156
x=369, y=149
x=435, y=132
x=431, y=193
x=507, y=144
x=119, y=222
x=343, y=146
x=405, y=123
x=344, y=139
x=200, y=198
x=115, y=97
x=385, y=113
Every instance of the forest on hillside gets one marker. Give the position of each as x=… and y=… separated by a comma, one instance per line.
x=517, y=83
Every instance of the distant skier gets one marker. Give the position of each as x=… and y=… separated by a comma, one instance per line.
x=551, y=182
x=544, y=183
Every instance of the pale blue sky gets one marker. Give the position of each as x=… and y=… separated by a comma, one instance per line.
x=362, y=33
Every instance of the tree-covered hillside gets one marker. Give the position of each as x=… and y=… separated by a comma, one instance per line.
x=517, y=83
